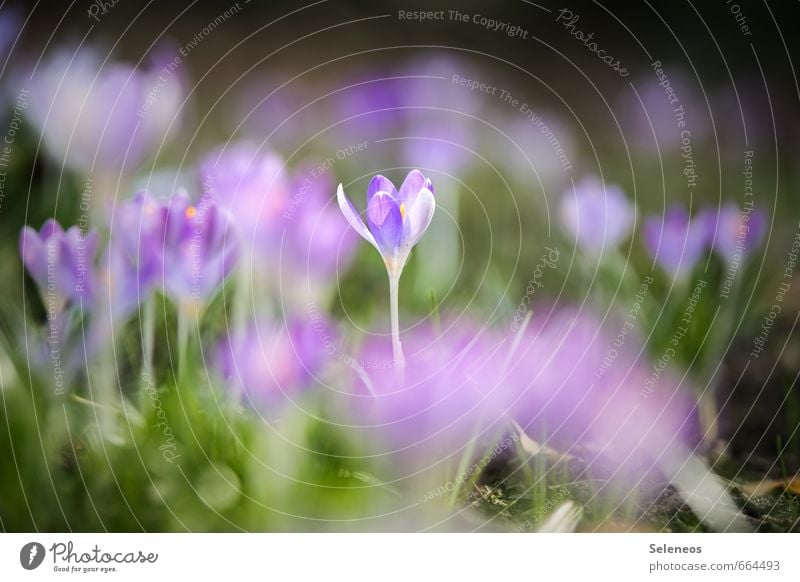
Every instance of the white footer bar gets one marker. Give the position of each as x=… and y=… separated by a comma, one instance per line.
x=355, y=557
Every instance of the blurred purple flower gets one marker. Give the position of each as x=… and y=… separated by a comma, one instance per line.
x=611, y=409
x=252, y=184
x=10, y=23
x=60, y=263
x=200, y=246
x=439, y=115
x=101, y=116
x=597, y=216
x=134, y=259
x=317, y=242
x=650, y=125
x=270, y=363
x=676, y=242
x=369, y=109
x=396, y=220
x=428, y=82
x=734, y=232
x=453, y=392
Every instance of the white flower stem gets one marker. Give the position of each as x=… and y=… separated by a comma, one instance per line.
x=397, y=348
x=183, y=343
x=244, y=295
x=148, y=335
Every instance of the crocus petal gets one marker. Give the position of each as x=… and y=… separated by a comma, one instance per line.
x=90, y=243
x=419, y=217
x=380, y=184
x=413, y=183
x=385, y=221
x=228, y=240
x=676, y=217
x=179, y=225
x=50, y=228
x=394, y=222
x=33, y=254
x=351, y=214
x=66, y=270
x=214, y=226
x=379, y=207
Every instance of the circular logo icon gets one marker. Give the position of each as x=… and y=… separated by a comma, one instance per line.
x=31, y=555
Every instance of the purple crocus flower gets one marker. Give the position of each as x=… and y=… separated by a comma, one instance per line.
x=135, y=256
x=676, y=242
x=269, y=363
x=106, y=117
x=735, y=233
x=396, y=220
x=597, y=216
x=199, y=248
x=61, y=264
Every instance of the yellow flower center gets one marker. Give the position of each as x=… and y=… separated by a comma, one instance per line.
x=402, y=211
x=191, y=212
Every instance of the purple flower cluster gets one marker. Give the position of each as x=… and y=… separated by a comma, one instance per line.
x=200, y=247
x=134, y=261
x=599, y=217
x=586, y=404
x=467, y=383
x=436, y=119
x=453, y=391
x=677, y=242
x=183, y=249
